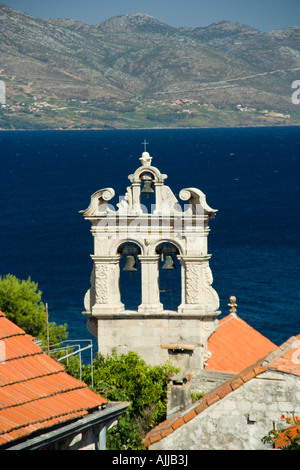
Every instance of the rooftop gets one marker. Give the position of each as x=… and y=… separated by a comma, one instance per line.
x=281, y=359
x=35, y=391
x=235, y=345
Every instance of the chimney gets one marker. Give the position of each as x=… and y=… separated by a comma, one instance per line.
x=178, y=393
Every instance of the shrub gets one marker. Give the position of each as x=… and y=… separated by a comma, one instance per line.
x=128, y=378
x=284, y=434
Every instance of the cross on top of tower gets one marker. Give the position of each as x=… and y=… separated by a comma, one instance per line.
x=145, y=143
x=145, y=159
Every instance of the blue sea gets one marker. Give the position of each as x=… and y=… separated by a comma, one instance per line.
x=251, y=175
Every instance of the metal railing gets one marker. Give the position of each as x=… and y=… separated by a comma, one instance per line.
x=69, y=350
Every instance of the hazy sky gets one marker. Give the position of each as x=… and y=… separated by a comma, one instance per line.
x=261, y=14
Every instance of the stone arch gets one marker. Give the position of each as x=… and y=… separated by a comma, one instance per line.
x=118, y=243
x=158, y=176
x=148, y=201
x=153, y=246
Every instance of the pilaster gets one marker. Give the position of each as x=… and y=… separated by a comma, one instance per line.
x=107, y=291
x=197, y=293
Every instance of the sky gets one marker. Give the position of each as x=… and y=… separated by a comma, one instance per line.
x=264, y=15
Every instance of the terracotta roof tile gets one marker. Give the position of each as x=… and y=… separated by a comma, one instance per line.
x=289, y=361
x=190, y=415
x=179, y=422
x=200, y=406
x=285, y=352
x=165, y=433
x=35, y=391
x=235, y=345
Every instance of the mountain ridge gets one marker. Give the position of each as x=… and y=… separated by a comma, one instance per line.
x=131, y=70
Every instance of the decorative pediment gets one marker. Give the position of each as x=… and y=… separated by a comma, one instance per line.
x=99, y=203
x=165, y=201
x=197, y=200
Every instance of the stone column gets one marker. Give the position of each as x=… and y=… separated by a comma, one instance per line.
x=136, y=202
x=150, y=284
x=158, y=197
x=107, y=285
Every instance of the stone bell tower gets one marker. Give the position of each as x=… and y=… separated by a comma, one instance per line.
x=173, y=228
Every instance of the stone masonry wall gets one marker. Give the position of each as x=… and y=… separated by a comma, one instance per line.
x=146, y=336
x=240, y=419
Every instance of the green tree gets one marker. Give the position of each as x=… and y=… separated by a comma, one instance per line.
x=128, y=378
x=21, y=301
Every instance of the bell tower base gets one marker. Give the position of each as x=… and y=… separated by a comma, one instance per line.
x=156, y=337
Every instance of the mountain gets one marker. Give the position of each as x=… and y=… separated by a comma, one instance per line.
x=136, y=71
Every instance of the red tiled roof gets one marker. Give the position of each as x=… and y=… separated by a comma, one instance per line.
x=282, y=359
x=236, y=345
x=35, y=391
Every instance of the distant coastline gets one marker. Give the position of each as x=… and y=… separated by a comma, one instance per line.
x=135, y=72
x=150, y=128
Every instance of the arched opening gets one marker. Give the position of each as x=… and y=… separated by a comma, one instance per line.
x=169, y=276
x=130, y=275
x=147, y=196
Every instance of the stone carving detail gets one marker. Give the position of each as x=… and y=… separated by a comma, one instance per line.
x=211, y=298
x=146, y=159
x=197, y=200
x=125, y=203
x=209, y=325
x=87, y=301
x=99, y=202
x=92, y=326
x=89, y=298
x=192, y=277
x=206, y=356
x=208, y=277
x=101, y=282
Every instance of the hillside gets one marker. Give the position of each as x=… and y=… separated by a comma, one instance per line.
x=134, y=71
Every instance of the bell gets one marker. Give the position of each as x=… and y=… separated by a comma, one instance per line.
x=130, y=264
x=147, y=189
x=169, y=263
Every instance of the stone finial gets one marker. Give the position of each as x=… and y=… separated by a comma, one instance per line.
x=232, y=304
x=146, y=159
